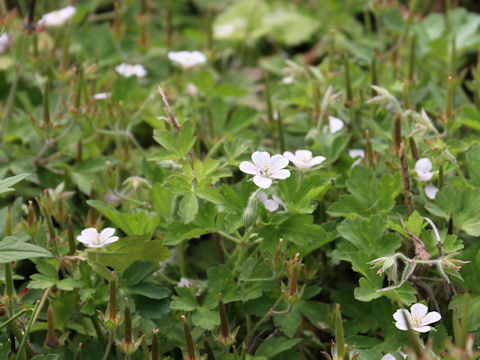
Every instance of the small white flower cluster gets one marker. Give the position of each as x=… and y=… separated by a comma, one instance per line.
x=423, y=168
x=266, y=168
x=187, y=59
x=128, y=70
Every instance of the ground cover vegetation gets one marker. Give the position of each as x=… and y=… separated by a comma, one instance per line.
x=239, y=179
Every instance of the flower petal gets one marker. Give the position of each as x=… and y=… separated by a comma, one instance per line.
x=401, y=325
x=303, y=154
x=280, y=174
x=110, y=240
x=271, y=205
x=424, y=176
x=277, y=162
x=431, y=191
x=248, y=168
x=423, y=329
x=334, y=124
x=431, y=318
x=316, y=160
x=423, y=165
x=261, y=158
x=356, y=153
x=262, y=182
x=289, y=156
x=398, y=315
x=388, y=357
x=418, y=311
x=106, y=233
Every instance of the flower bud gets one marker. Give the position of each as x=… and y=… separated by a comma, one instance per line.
x=52, y=341
x=188, y=340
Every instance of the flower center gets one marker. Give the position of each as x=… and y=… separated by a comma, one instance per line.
x=416, y=322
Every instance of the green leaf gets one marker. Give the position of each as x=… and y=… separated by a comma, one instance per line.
x=473, y=162
x=139, y=223
x=188, y=207
x=167, y=140
x=124, y=252
x=149, y=290
x=10, y=181
x=162, y=201
x=209, y=193
x=206, y=318
x=461, y=202
x=275, y=345
x=187, y=138
x=185, y=300
x=11, y=249
x=368, y=195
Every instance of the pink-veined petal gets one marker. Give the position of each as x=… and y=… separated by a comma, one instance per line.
x=248, y=168
x=280, y=174
x=431, y=318
x=418, y=311
x=262, y=182
x=261, y=158
x=277, y=162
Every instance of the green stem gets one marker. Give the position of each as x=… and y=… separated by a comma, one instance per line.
x=8, y=321
x=27, y=331
x=109, y=345
x=13, y=89
x=181, y=260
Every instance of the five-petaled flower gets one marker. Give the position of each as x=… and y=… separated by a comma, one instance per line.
x=91, y=238
x=419, y=318
x=129, y=70
x=303, y=159
x=58, y=17
x=265, y=168
x=187, y=59
x=423, y=167
x=272, y=204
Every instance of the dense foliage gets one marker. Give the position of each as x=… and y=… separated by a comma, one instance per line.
x=239, y=179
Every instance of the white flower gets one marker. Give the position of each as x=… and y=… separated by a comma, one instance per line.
x=303, y=159
x=271, y=204
x=265, y=168
x=334, y=125
x=418, y=318
x=356, y=153
x=391, y=357
x=184, y=282
x=288, y=79
x=431, y=191
x=222, y=31
x=58, y=17
x=4, y=42
x=187, y=59
x=91, y=238
x=128, y=70
x=102, y=96
x=423, y=168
